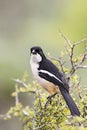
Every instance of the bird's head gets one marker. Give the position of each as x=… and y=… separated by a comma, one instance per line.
x=37, y=54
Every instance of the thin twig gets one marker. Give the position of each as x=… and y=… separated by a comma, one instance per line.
x=24, y=84
x=17, y=96
x=66, y=39
x=70, y=47
x=81, y=41
x=81, y=67
x=20, y=82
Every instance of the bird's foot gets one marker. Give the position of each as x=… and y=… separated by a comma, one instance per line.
x=49, y=99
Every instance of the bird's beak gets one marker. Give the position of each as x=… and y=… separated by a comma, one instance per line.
x=33, y=52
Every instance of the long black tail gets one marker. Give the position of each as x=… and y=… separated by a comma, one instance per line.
x=71, y=104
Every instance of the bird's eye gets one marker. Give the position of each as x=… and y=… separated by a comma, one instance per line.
x=37, y=50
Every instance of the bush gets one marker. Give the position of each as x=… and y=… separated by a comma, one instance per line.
x=53, y=114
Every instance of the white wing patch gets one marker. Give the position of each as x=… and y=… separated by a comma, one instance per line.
x=50, y=74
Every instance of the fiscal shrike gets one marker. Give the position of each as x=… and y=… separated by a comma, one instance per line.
x=51, y=78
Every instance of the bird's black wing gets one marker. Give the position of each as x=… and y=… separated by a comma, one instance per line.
x=50, y=72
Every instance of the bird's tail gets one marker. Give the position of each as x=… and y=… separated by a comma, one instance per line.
x=69, y=101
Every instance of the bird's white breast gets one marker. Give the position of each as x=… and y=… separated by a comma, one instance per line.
x=34, y=68
x=50, y=87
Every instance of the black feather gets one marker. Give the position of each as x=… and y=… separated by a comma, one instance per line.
x=52, y=74
x=70, y=102
x=47, y=65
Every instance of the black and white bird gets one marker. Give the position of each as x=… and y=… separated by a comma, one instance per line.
x=50, y=77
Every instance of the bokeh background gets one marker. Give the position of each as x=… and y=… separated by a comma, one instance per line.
x=24, y=23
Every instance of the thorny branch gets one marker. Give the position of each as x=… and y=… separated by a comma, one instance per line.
x=70, y=48
x=38, y=119
x=23, y=84
x=17, y=96
x=20, y=82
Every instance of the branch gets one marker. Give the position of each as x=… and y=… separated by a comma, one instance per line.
x=17, y=96
x=23, y=84
x=66, y=39
x=82, y=67
x=84, y=57
x=70, y=47
x=81, y=41
x=20, y=82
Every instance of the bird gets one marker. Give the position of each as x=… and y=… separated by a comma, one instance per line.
x=51, y=78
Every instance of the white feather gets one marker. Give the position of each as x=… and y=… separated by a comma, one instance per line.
x=46, y=84
x=50, y=74
x=34, y=67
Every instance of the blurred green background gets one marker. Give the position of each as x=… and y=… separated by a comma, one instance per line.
x=24, y=23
